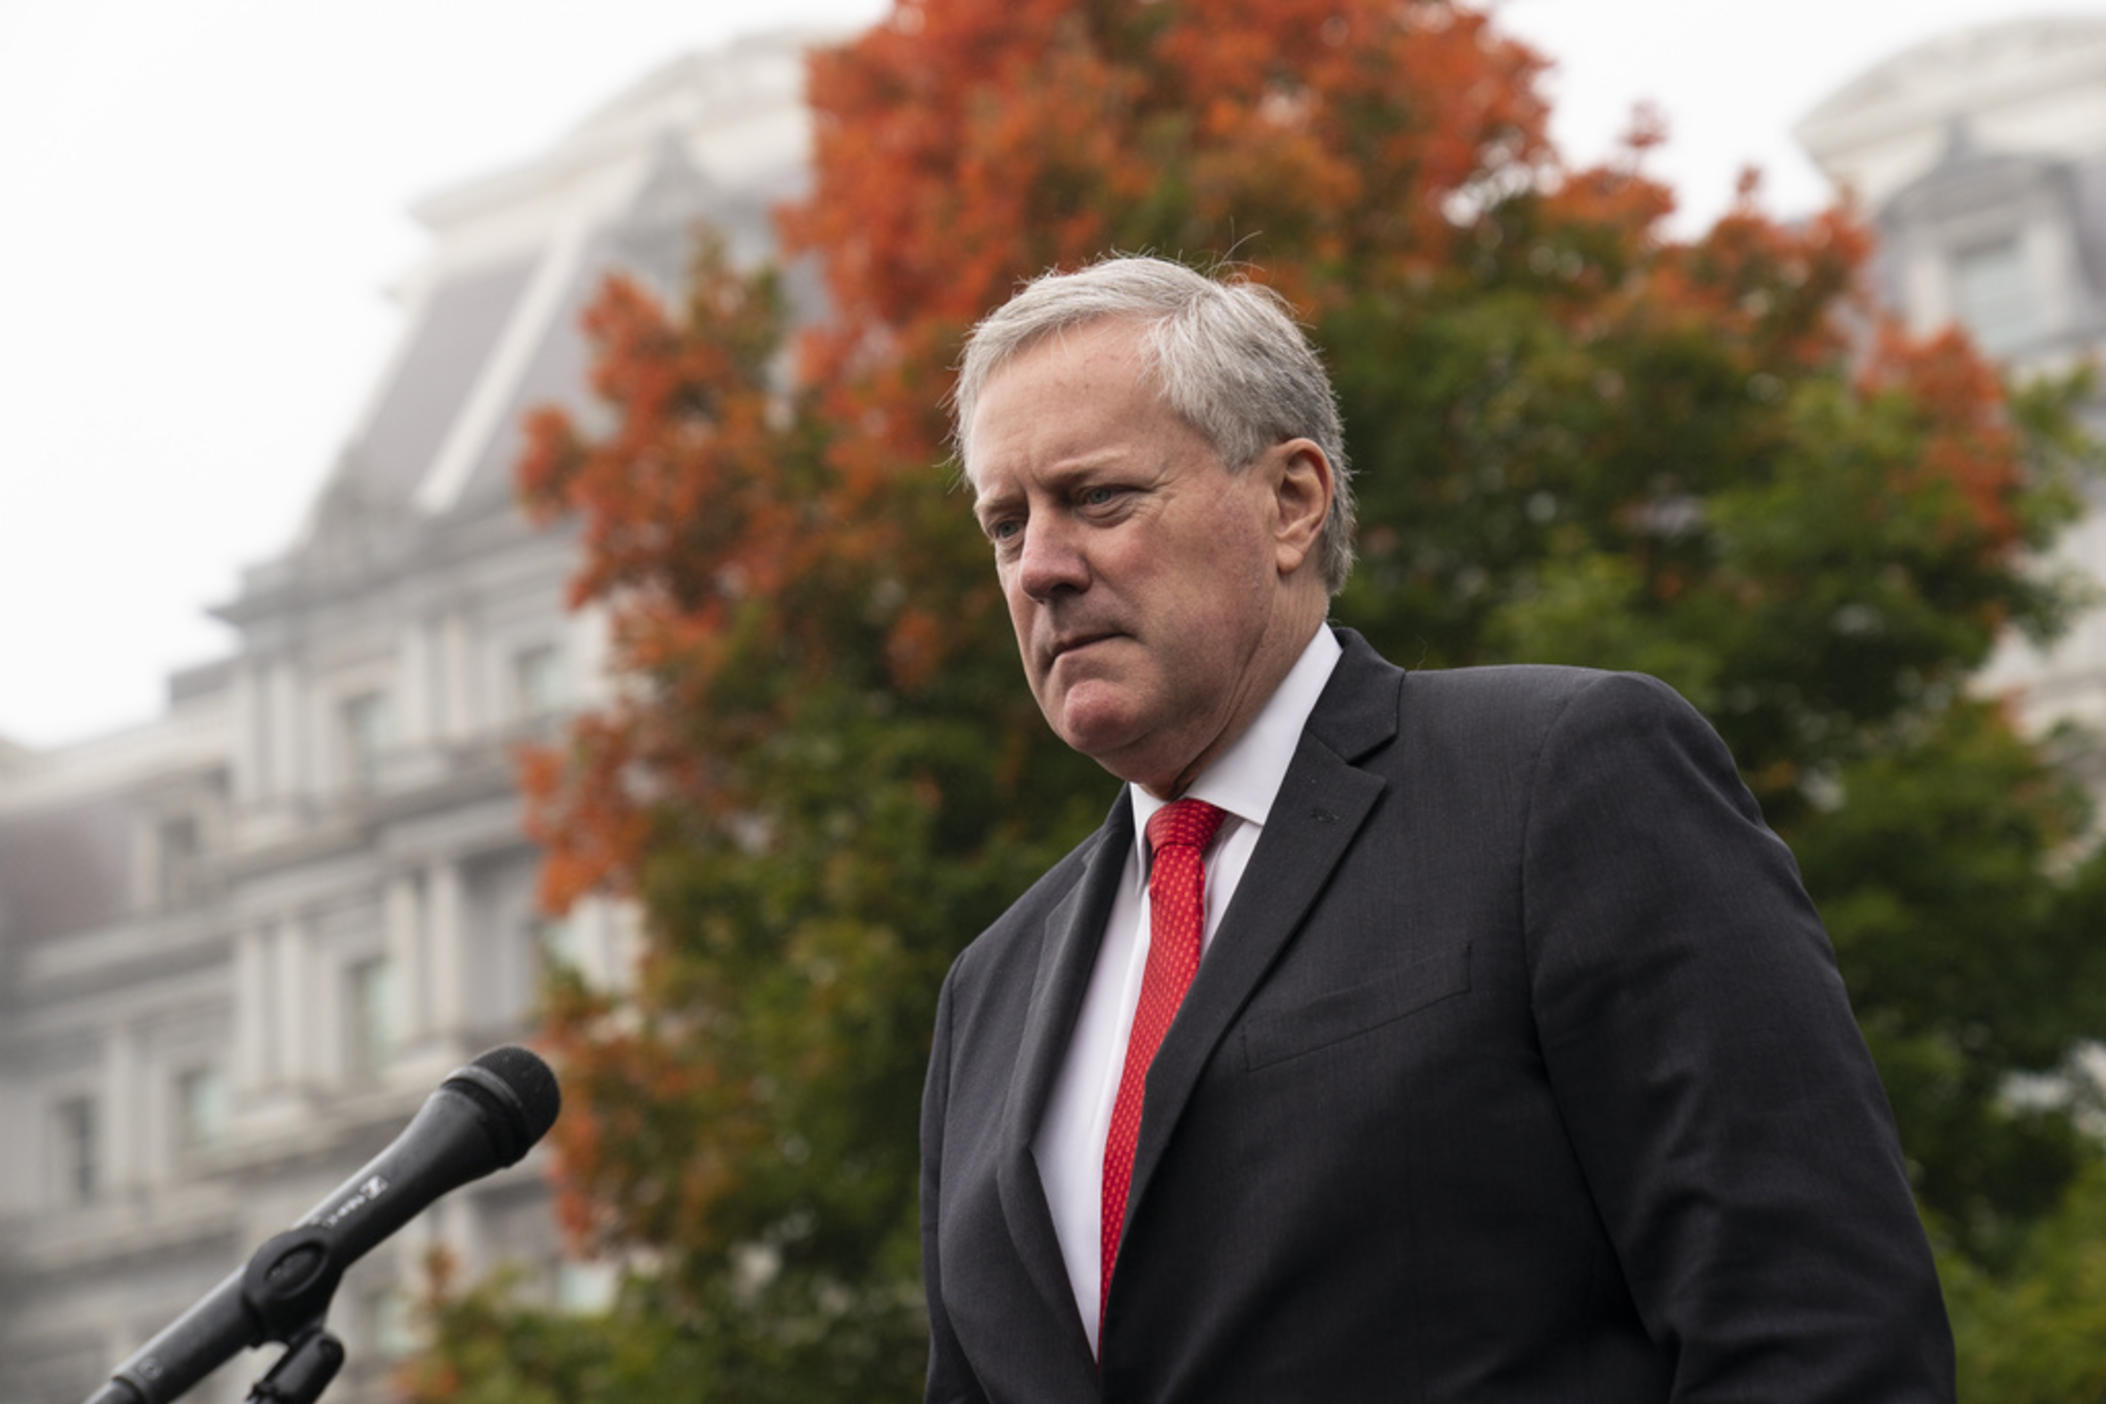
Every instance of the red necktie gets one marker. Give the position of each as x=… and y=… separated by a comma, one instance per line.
x=1177, y=835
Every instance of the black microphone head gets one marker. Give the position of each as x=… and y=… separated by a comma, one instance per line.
x=519, y=1087
x=531, y=1080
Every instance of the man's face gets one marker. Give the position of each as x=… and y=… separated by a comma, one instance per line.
x=1143, y=578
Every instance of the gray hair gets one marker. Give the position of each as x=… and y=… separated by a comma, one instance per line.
x=1227, y=355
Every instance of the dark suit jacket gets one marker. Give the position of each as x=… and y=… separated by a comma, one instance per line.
x=1519, y=1069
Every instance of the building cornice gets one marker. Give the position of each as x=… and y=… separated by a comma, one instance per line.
x=1970, y=70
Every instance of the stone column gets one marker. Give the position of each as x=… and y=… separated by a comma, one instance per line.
x=405, y=938
x=296, y=988
x=417, y=693
x=289, y=777
x=446, y=938
x=145, y=867
x=456, y=682
x=253, y=1061
x=156, y=1114
x=121, y=1103
x=251, y=736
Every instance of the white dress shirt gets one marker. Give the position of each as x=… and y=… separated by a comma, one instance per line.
x=1243, y=780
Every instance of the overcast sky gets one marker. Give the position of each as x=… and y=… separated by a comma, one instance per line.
x=205, y=201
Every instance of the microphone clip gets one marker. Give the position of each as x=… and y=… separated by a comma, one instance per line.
x=290, y=1281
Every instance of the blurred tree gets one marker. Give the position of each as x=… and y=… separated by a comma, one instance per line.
x=1577, y=438
x=2034, y=1336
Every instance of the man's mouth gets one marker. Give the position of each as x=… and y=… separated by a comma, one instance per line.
x=1077, y=641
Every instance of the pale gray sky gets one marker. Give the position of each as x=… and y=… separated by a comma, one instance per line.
x=206, y=198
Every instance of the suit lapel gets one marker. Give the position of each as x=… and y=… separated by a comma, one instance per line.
x=1073, y=931
x=1324, y=800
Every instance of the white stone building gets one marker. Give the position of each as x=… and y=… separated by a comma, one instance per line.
x=1981, y=158
x=241, y=943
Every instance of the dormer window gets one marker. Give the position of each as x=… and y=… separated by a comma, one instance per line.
x=1993, y=295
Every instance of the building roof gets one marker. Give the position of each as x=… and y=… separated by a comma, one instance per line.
x=2036, y=85
x=1958, y=68
x=492, y=313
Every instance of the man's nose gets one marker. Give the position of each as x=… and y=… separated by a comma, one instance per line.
x=1051, y=560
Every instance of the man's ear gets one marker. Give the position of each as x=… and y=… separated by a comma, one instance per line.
x=1300, y=476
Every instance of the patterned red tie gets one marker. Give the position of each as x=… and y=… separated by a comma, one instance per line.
x=1177, y=835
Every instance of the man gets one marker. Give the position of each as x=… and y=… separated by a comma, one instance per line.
x=1452, y=1036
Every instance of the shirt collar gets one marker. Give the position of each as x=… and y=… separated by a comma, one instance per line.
x=1245, y=779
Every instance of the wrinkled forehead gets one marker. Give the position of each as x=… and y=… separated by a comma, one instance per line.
x=1123, y=344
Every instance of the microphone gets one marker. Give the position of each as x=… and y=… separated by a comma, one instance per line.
x=482, y=1117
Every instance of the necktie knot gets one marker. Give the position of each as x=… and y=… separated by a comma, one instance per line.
x=1186, y=822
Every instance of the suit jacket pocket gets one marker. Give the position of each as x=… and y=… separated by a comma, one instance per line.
x=1383, y=998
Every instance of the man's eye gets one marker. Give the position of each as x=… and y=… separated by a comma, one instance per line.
x=1099, y=496
x=1003, y=529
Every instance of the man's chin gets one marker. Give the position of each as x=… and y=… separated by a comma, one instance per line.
x=1095, y=720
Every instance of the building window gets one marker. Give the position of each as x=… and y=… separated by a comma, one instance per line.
x=537, y=680
x=76, y=1162
x=1994, y=295
x=178, y=848
x=367, y=730
x=369, y=1017
x=201, y=1107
